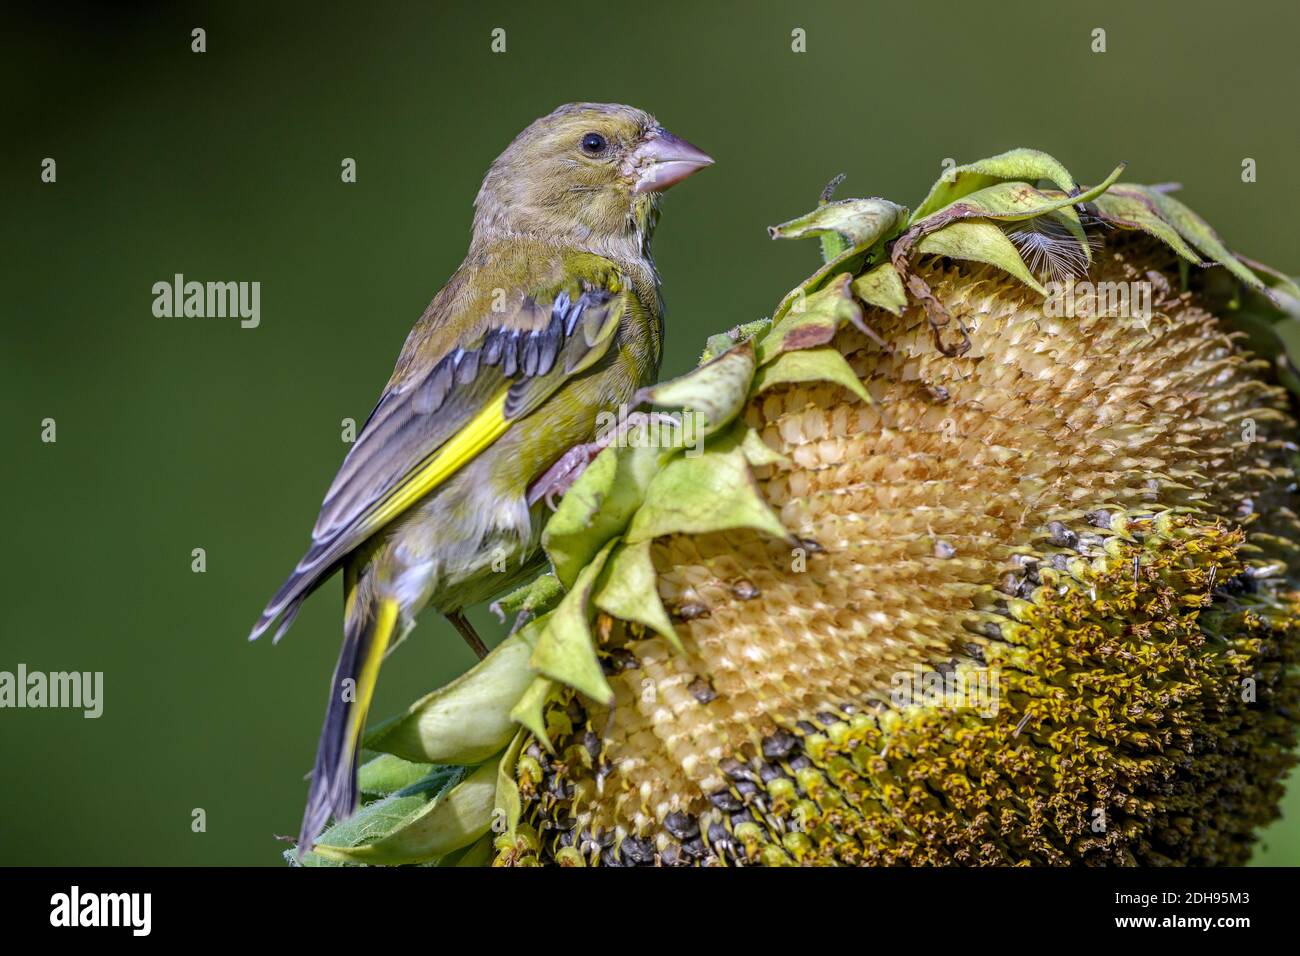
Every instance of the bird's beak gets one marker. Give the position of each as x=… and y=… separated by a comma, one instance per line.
x=663, y=160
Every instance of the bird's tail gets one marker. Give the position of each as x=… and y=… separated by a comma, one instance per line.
x=367, y=632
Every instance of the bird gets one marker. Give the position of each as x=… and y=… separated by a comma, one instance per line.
x=554, y=317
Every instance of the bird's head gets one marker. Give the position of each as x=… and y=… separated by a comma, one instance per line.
x=587, y=173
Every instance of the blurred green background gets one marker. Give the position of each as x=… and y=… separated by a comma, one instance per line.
x=175, y=434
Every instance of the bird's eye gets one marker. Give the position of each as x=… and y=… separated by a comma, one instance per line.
x=593, y=144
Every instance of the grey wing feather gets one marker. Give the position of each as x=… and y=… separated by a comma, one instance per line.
x=411, y=423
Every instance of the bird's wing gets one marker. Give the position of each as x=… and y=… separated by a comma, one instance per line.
x=481, y=358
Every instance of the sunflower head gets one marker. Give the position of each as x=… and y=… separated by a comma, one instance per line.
x=981, y=550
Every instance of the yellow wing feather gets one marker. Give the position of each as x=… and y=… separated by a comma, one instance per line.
x=481, y=430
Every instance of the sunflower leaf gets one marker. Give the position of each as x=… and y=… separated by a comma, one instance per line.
x=813, y=322
x=810, y=365
x=598, y=506
x=1023, y=165
x=695, y=495
x=467, y=720
x=859, y=222
x=979, y=241
x=530, y=712
x=455, y=818
x=1009, y=202
x=1199, y=233
x=882, y=287
x=508, y=805
x=714, y=392
x=756, y=451
x=377, y=820
x=386, y=774
x=1132, y=207
x=566, y=649
x=628, y=591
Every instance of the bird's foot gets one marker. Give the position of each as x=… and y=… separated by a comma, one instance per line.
x=559, y=478
x=521, y=618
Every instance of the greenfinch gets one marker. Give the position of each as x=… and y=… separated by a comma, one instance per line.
x=553, y=318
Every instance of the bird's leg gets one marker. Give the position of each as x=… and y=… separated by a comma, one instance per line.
x=467, y=631
x=559, y=478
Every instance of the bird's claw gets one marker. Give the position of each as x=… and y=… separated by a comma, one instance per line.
x=522, y=618
x=559, y=478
